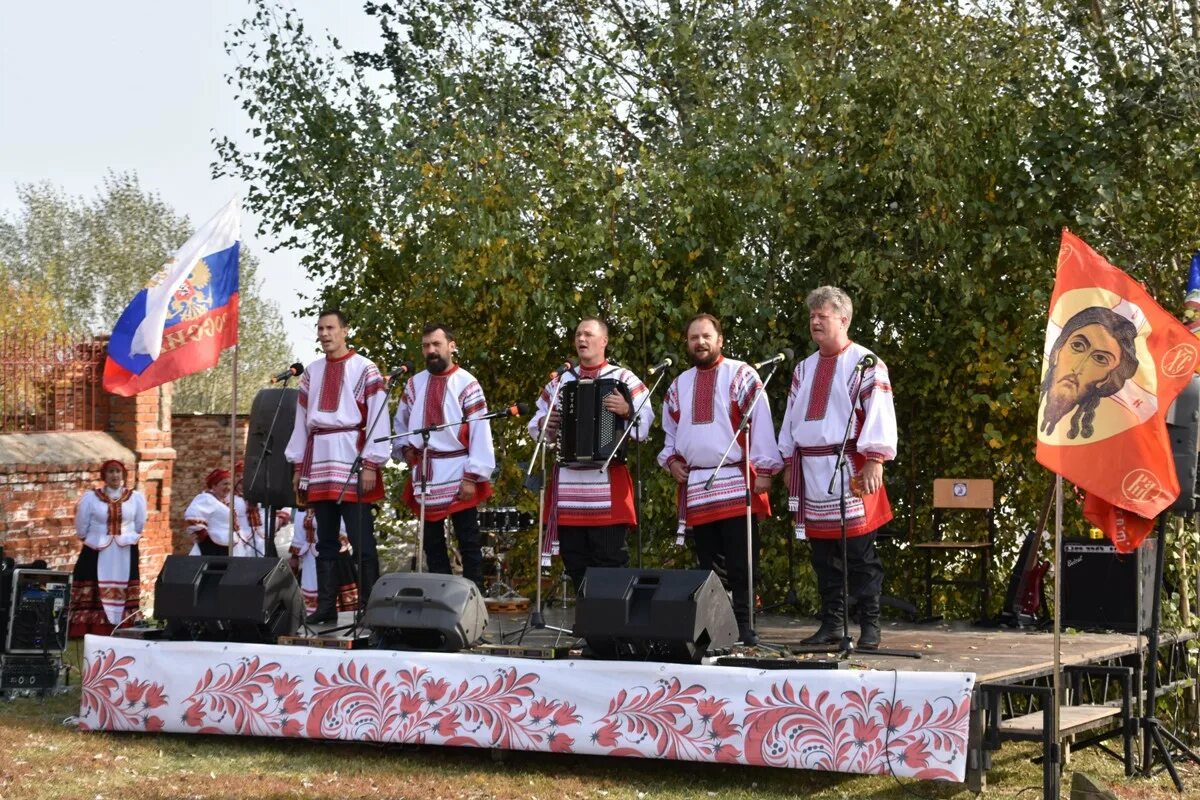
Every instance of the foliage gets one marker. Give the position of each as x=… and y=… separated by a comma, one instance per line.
x=511, y=166
x=76, y=263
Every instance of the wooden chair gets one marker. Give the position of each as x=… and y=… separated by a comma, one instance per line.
x=960, y=494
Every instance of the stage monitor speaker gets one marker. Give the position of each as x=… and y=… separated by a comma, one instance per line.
x=1183, y=428
x=272, y=485
x=654, y=614
x=222, y=598
x=425, y=611
x=38, y=606
x=1100, y=585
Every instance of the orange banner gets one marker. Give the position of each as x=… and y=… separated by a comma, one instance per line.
x=1112, y=364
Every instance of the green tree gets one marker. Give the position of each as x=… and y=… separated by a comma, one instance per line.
x=82, y=260
x=510, y=166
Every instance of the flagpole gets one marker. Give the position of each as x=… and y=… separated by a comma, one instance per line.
x=233, y=452
x=1058, y=582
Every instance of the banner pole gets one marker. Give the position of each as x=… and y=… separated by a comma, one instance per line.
x=1058, y=582
x=233, y=451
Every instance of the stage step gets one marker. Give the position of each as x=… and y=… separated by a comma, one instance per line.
x=1071, y=720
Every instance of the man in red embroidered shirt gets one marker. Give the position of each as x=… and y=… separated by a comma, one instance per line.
x=702, y=409
x=340, y=395
x=589, y=511
x=840, y=379
x=460, y=458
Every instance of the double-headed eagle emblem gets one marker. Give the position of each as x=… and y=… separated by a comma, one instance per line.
x=192, y=299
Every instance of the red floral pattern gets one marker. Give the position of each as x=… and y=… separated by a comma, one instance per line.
x=914, y=725
x=865, y=733
x=356, y=702
x=247, y=698
x=669, y=721
x=113, y=700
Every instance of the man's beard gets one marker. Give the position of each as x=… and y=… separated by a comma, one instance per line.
x=705, y=360
x=1058, y=405
x=435, y=363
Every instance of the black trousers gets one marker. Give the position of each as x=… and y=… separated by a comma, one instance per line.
x=588, y=546
x=210, y=548
x=865, y=570
x=723, y=543
x=360, y=528
x=470, y=545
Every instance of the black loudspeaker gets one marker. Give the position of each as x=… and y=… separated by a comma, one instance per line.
x=272, y=483
x=220, y=598
x=38, y=605
x=1100, y=585
x=1183, y=428
x=425, y=611
x=654, y=614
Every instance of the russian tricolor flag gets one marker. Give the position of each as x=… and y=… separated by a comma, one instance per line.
x=186, y=315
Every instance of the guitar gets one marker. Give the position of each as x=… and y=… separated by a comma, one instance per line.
x=1023, y=602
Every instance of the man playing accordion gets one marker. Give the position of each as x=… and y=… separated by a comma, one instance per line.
x=589, y=510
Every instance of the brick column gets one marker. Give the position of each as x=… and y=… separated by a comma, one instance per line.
x=143, y=424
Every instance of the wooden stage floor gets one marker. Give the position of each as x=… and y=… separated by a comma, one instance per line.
x=995, y=655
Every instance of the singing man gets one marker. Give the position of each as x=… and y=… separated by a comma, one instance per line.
x=341, y=395
x=840, y=380
x=589, y=512
x=702, y=410
x=460, y=458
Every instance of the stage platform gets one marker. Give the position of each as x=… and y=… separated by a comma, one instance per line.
x=915, y=718
x=995, y=655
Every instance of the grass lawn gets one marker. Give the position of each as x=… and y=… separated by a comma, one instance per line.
x=41, y=758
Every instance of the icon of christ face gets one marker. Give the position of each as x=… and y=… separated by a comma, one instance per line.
x=1091, y=359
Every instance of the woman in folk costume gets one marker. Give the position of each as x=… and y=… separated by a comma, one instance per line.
x=303, y=560
x=283, y=531
x=106, y=589
x=207, y=519
x=250, y=520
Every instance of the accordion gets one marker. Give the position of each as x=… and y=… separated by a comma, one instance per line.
x=589, y=432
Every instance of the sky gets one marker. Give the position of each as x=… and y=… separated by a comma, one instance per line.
x=139, y=86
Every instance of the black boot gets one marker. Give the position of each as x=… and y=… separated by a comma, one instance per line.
x=367, y=580
x=868, y=616
x=746, y=634
x=326, y=593
x=830, y=631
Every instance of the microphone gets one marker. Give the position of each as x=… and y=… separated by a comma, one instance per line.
x=660, y=366
x=290, y=372
x=566, y=366
x=516, y=410
x=867, y=361
x=785, y=354
x=399, y=372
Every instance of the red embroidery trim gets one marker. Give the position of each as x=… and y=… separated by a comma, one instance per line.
x=704, y=395
x=331, y=382
x=818, y=399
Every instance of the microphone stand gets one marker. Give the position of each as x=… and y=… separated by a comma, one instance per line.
x=846, y=646
x=424, y=434
x=268, y=445
x=536, y=619
x=742, y=426
x=637, y=495
x=355, y=628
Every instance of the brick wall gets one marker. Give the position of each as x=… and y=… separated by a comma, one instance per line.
x=201, y=444
x=42, y=476
x=38, y=504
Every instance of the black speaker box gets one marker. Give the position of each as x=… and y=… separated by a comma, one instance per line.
x=1183, y=428
x=270, y=483
x=38, y=609
x=220, y=598
x=654, y=614
x=425, y=611
x=1099, y=585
